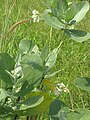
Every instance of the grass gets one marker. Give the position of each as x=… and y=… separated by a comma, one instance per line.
x=73, y=59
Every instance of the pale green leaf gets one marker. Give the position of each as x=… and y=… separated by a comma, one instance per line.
x=83, y=83
x=51, y=74
x=51, y=59
x=82, y=8
x=44, y=53
x=41, y=108
x=78, y=114
x=31, y=102
x=52, y=21
x=78, y=35
x=86, y=117
x=77, y=11
x=3, y=94
x=32, y=75
x=62, y=6
x=48, y=3
x=25, y=46
x=6, y=62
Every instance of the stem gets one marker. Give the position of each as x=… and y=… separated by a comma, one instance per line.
x=50, y=36
x=61, y=41
x=71, y=100
x=81, y=97
x=16, y=24
x=16, y=117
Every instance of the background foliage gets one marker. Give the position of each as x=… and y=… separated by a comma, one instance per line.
x=73, y=58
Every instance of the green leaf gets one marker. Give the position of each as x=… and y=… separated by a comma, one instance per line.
x=35, y=50
x=41, y=108
x=83, y=83
x=81, y=8
x=62, y=7
x=25, y=89
x=32, y=75
x=77, y=11
x=3, y=94
x=6, y=62
x=51, y=74
x=44, y=53
x=78, y=114
x=48, y=3
x=52, y=21
x=33, y=60
x=86, y=117
x=6, y=77
x=57, y=110
x=71, y=12
x=6, y=113
x=77, y=35
x=51, y=59
x=59, y=9
x=25, y=46
x=31, y=102
x=32, y=69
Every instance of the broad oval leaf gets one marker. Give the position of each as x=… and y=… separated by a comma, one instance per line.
x=78, y=35
x=86, y=117
x=31, y=102
x=57, y=110
x=6, y=62
x=62, y=7
x=25, y=46
x=48, y=3
x=6, y=77
x=33, y=60
x=32, y=75
x=77, y=11
x=82, y=8
x=83, y=83
x=59, y=9
x=51, y=59
x=52, y=21
x=44, y=53
x=41, y=108
x=3, y=94
x=78, y=114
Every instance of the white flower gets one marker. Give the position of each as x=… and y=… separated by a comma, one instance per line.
x=60, y=87
x=35, y=16
x=25, y=52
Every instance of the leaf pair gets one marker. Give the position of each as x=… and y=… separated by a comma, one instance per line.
x=62, y=16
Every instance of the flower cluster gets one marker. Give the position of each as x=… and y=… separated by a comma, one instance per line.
x=60, y=87
x=35, y=16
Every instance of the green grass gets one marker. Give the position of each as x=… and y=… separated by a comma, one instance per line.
x=73, y=58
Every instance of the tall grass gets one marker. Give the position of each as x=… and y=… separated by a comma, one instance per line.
x=73, y=59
